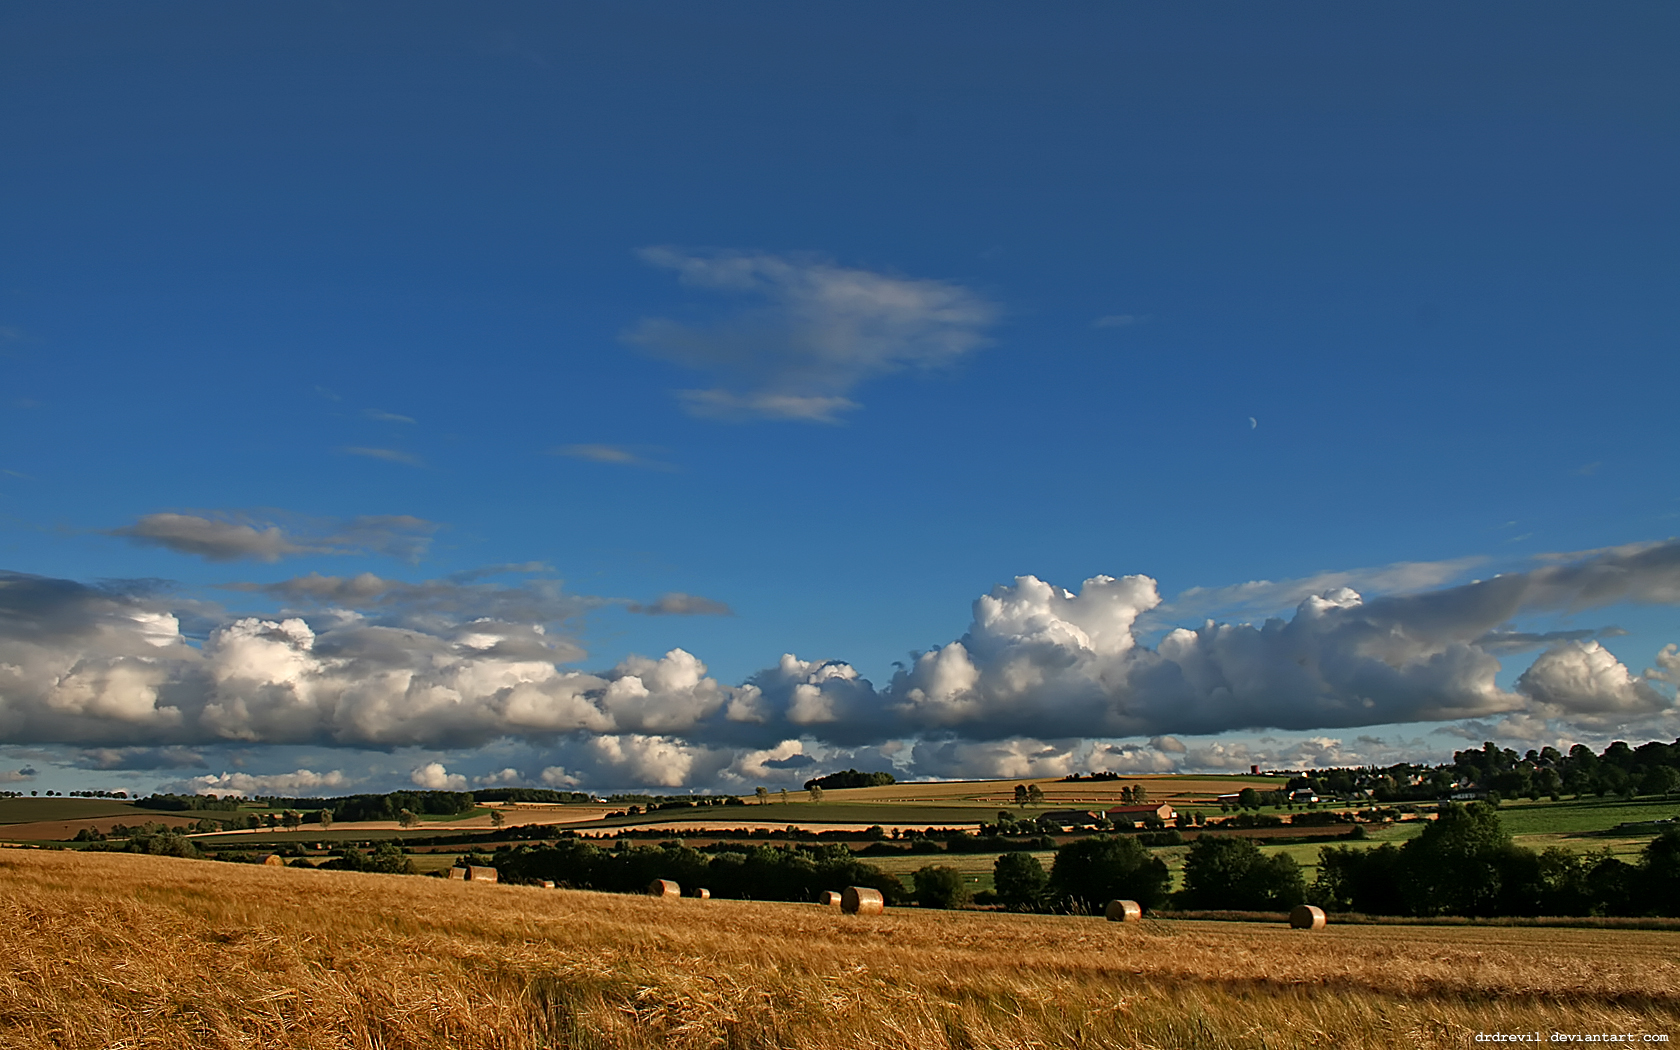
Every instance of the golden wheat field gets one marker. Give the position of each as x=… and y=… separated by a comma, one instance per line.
x=120, y=951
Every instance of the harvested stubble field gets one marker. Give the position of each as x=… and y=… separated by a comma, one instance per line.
x=134, y=951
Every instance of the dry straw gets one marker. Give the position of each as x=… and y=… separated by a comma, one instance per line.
x=1123, y=911
x=331, y=960
x=1307, y=917
x=828, y=899
x=703, y=894
x=664, y=888
x=458, y=873
x=478, y=873
x=861, y=900
x=274, y=860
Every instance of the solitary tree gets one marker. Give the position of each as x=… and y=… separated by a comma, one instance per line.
x=1020, y=881
x=763, y=794
x=938, y=886
x=407, y=819
x=1233, y=873
x=496, y=818
x=816, y=792
x=784, y=796
x=326, y=817
x=1021, y=794
x=1089, y=872
x=1035, y=794
x=388, y=857
x=1659, y=874
x=1454, y=865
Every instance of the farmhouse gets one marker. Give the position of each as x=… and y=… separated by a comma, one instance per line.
x=1157, y=811
x=1071, y=818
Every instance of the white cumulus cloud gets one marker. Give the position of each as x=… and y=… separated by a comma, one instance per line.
x=434, y=777
x=557, y=777
x=1586, y=683
x=1044, y=679
x=302, y=783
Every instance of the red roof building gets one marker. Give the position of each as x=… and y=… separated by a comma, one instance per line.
x=1148, y=811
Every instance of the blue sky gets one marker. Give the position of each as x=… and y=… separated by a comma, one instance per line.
x=747, y=330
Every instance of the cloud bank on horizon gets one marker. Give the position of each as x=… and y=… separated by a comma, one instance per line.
x=1045, y=679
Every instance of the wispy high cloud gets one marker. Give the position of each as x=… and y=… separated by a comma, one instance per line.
x=615, y=455
x=390, y=455
x=238, y=536
x=677, y=603
x=438, y=605
x=1260, y=597
x=213, y=539
x=821, y=330
x=140, y=758
x=381, y=416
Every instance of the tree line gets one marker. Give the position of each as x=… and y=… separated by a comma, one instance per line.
x=1463, y=863
x=1622, y=770
x=741, y=872
x=349, y=807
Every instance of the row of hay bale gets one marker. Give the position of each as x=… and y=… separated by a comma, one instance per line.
x=668, y=888
x=855, y=900
x=1303, y=917
x=862, y=900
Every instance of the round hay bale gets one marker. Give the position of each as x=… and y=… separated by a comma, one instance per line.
x=1123, y=911
x=548, y=884
x=703, y=894
x=861, y=900
x=482, y=873
x=458, y=873
x=274, y=860
x=828, y=899
x=664, y=888
x=1307, y=917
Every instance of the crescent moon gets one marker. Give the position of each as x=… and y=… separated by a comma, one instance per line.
x=1253, y=423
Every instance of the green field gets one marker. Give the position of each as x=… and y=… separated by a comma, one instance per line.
x=1580, y=816
x=314, y=833
x=921, y=814
x=976, y=868
x=1577, y=825
x=30, y=810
